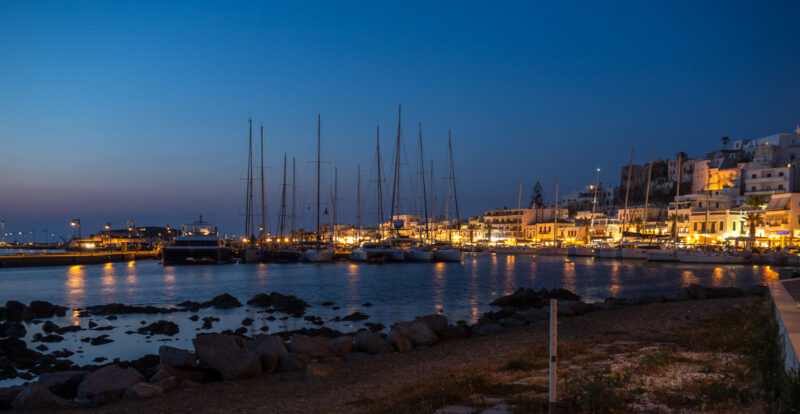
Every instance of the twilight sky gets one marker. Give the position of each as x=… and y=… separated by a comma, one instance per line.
x=118, y=110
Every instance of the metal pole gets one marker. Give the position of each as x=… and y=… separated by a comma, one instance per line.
x=553, y=348
x=555, y=217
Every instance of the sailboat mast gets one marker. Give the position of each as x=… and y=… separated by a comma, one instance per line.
x=293, y=228
x=319, y=166
x=396, y=179
x=283, y=201
x=555, y=218
x=335, y=202
x=627, y=191
x=453, y=179
x=380, y=192
x=519, y=196
x=358, y=202
x=594, y=203
x=647, y=194
x=677, y=198
x=422, y=173
x=249, y=209
x=263, y=204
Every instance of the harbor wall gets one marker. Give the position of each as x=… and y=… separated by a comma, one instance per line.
x=74, y=258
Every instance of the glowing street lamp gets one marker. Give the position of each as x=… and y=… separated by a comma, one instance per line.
x=77, y=223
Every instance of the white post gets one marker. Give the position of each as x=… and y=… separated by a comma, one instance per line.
x=553, y=347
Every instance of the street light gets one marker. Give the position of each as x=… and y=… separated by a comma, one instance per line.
x=77, y=223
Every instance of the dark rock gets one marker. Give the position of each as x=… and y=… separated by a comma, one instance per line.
x=190, y=305
x=194, y=318
x=12, y=329
x=418, y=332
x=374, y=327
x=316, y=320
x=437, y=323
x=64, y=353
x=176, y=357
x=269, y=350
x=160, y=328
x=110, y=379
x=367, y=304
x=48, y=327
x=573, y=308
x=486, y=329
x=207, y=322
x=511, y=322
x=167, y=384
x=69, y=328
x=371, y=343
x=100, y=359
x=311, y=347
x=44, y=309
x=92, y=324
x=342, y=345
x=36, y=397
x=228, y=355
x=399, y=341
x=42, y=348
x=47, y=338
x=697, y=292
x=291, y=362
x=63, y=383
x=223, y=301
x=535, y=315
x=142, y=390
x=14, y=310
x=336, y=307
x=288, y=304
x=247, y=321
x=121, y=309
x=100, y=340
x=327, y=303
x=240, y=331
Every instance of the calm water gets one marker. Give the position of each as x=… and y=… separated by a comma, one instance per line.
x=7, y=252
x=397, y=291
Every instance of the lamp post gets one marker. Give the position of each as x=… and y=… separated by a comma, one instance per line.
x=77, y=223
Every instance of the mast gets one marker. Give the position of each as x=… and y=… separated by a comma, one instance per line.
x=283, y=202
x=449, y=192
x=263, y=205
x=396, y=179
x=380, y=191
x=708, y=200
x=358, y=203
x=293, y=228
x=335, y=195
x=677, y=198
x=647, y=194
x=519, y=196
x=433, y=199
x=424, y=196
x=248, y=220
x=627, y=190
x=453, y=179
x=319, y=165
x=555, y=217
x=594, y=203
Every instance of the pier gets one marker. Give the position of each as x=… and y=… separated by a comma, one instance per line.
x=68, y=259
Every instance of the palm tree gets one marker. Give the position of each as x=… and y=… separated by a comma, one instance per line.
x=638, y=223
x=674, y=218
x=754, y=218
x=725, y=141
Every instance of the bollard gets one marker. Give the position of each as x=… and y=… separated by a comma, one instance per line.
x=553, y=348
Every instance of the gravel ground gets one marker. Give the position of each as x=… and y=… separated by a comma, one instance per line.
x=292, y=393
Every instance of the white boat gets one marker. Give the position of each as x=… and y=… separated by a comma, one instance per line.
x=198, y=244
x=693, y=256
x=608, y=253
x=419, y=254
x=448, y=254
x=318, y=255
x=370, y=253
x=633, y=253
x=514, y=250
x=255, y=255
x=580, y=251
x=663, y=255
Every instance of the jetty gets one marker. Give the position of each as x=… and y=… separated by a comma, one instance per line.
x=68, y=259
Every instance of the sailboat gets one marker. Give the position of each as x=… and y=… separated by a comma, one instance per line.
x=421, y=253
x=450, y=253
x=318, y=253
x=285, y=253
x=254, y=252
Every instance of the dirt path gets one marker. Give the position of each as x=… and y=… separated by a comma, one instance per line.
x=354, y=381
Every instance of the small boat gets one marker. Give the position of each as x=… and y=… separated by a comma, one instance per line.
x=552, y=251
x=662, y=255
x=318, y=255
x=608, y=253
x=369, y=253
x=514, y=250
x=448, y=254
x=253, y=254
x=198, y=244
x=419, y=254
x=285, y=255
x=582, y=251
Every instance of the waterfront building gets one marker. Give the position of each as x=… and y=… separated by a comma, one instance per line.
x=782, y=219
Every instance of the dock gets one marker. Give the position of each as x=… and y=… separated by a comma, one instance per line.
x=70, y=259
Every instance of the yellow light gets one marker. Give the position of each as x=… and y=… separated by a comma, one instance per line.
x=89, y=245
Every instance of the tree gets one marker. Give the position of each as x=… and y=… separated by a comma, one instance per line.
x=725, y=141
x=674, y=218
x=536, y=197
x=754, y=218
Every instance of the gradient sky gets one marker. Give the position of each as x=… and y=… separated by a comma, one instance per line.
x=117, y=110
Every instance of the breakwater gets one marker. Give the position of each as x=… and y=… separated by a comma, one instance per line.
x=71, y=259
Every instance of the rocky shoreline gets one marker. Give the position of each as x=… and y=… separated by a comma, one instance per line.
x=230, y=355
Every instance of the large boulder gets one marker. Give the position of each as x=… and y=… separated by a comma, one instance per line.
x=292, y=362
x=110, y=379
x=36, y=397
x=12, y=329
x=15, y=309
x=485, y=329
x=142, y=390
x=399, y=341
x=573, y=308
x=227, y=354
x=223, y=301
x=176, y=357
x=314, y=347
x=160, y=328
x=371, y=343
x=342, y=345
x=269, y=349
x=44, y=309
x=536, y=315
x=418, y=332
x=437, y=323
x=63, y=383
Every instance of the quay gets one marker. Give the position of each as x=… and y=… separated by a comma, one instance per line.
x=68, y=259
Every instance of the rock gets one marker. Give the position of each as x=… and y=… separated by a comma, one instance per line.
x=63, y=383
x=42, y=348
x=355, y=356
x=399, y=341
x=366, y=304
x=48, y=327
x=207, y=322
x=110, y=379
x=161, y=374
x=142, y=390
x=458, y=332
x=176, y=357
x=160, y=328
x=223, y=301
x=269, y=350
x=371, y=343
x=511, y=322
x=122, y=309
x=418, y=332
x=562, y=294
x=194, y=318
x=100, y=340
x=70, y=328
x=536, y=315
x=92, y=324
x=486, y=329
x=521, y=298
x=47, y=338
x=291, y=362
x=36, y=397
x=147, y=364
x=437, y=323
x=44, y=309
x=374, y=327
x=320, y=369
x=228, y=355
x=573, y=308
x=312, y=347
x=247, y=321
x=283, y=303
x=648, y=299
x=327, y=303
x=12, y=329
x=342, y=345
x=189, y=385
x=355, y=317
x=14, y=310
x=111, y=317
x=167, y=384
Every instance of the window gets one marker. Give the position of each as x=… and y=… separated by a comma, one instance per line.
x=754, y=176
x=780, y=186
x=721, y=226
x=713, y=227
x=780, y=174
x=695, y=226
x=734, y=226
x=753, y=188
x=717, y=205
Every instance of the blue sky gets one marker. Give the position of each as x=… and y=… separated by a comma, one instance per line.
x=117, y=110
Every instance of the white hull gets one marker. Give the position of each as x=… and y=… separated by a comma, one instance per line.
x=607, y=253
x=449, y=255
x=552, y=251
x=372, y=255
x=318, y=255
x=394, y=255
x=419, y=255
x=513, y=250
x=580, y=251
x=711, y=257
x=661, y=256
x=634, y=253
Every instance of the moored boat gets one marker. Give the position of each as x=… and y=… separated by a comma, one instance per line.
x=580, y=251
x=608, y=253
x=198, y=244
x=662, y=255
x=697, y=256
x=448, y=254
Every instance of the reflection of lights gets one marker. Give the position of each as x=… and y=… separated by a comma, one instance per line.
x=131, y=263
